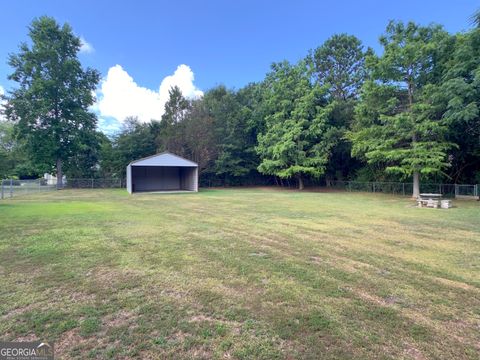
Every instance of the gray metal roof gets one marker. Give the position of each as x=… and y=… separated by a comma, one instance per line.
x=164, y=159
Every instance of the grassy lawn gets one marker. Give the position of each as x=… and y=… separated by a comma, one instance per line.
x=248, y=274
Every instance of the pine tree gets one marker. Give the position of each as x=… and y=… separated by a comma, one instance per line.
x=396, y=122
x=297, y=140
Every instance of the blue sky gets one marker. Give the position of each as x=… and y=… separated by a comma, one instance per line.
x=221, y=42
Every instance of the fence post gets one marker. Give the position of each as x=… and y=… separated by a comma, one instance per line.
x=92, y=183
x=403, y=189
x=373, y=186
x=456, y=190
x=2, y=189
x=11, y=188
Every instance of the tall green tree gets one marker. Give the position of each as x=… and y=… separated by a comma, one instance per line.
x=297, y=140
x=7, y=149
x=170, y=127
x=85, y=162
x=199, y=138
x=457, y=97
x=239, y=124
x=175, y=107
x=224, y=109
x=397, y=124
x=475, y=19
x=136, y=140
x=231, y=112
x=339, y=65
x=50, y=106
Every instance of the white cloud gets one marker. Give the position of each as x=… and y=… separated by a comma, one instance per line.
x=120, y=96
x=183, y=78
x=85, y=47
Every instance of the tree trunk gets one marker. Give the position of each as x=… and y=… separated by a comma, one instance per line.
x=416, y=174
x=59, y=175
x=416, y=185
x=300, y=182
x=328, y=181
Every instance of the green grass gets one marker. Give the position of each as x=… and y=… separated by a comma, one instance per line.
x=247, y=274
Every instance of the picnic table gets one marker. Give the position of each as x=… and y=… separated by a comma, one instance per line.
x=432, y=200
x=432, y=196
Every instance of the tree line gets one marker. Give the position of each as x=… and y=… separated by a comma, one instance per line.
x=343, y=112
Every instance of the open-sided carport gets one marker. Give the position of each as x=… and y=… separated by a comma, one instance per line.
x=162, y=172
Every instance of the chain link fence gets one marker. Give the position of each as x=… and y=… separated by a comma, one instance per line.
x=12, y=188
x=467, y=191
x=106, y=183
x=406, y=189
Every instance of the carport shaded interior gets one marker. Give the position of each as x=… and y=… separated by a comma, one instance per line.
x=165, y=178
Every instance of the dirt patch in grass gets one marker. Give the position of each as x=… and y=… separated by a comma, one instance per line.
x=55, y=298
x=201, y=318
x=234, y=327
x=456, y=330
x=109, y=277
x=64, y=296
x=200, y=352
x=456, y=284
x=28, y=337
x=67, y=342
x=178, y=336
x=414, y=316
x=18, y=311
x=411, y=352
x=461, y=330
x=121, y=318
x=149, y=355
x=174, y=294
